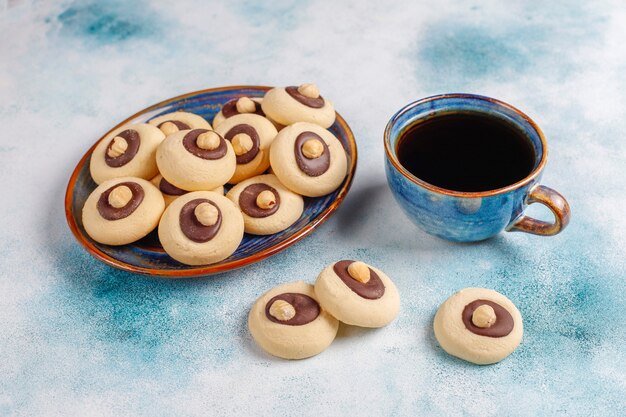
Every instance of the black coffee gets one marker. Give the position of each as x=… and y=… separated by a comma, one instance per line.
x=466, y=152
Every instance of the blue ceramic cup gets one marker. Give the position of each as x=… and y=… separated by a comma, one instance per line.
x=472, y=216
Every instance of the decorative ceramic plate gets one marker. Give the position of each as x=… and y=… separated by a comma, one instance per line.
x=146, y=256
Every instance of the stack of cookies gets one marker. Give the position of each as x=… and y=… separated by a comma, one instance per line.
x=172, y=172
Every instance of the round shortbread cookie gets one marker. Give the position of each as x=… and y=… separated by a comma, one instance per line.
x=196, y=160
x=179, y=120
x=200, y=228
x=290, y=105
x=308, y=159
x=289, y=322
x=122, y=210
x=478, y=325
x=358, y=294
x=171, y=192
x=128, y=151
x=251, y=136
x=267, y=205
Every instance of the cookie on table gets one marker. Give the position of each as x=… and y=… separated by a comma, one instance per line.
x=289, y=322
x=239, y=105
x=201, y=228
x=267, y=206
x=179, y=120
x=298, y=104
x=358, y=294
x=171, y=192
x=196, y=160
x=128, y=151
x=122, y=210
x=478, y=325
x=308, y=159
x=251, y=136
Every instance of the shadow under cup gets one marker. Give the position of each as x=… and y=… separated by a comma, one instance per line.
x=467, y=216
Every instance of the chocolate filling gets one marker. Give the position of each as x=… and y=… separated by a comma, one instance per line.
x=133, y=140
x=371, y=290
x=168, y=188
x=315, y=103
x=307, y=309
x=502, y=327
x=256, y=142
x=311, y=167
x=180, y=125
x=230, y=108
x=189, y=142
x=192, y=228
x=109, y=212
x=247, y=200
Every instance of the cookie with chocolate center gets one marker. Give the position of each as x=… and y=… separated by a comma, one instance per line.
x=251, y=136
x=196, y=160
x=289, y=322
x=357, y=293
x=267, y=205
x=301, y=103
x=308, y=159
x=201, y=228
x=122, y=210
x=478, y=325
x=128, y=151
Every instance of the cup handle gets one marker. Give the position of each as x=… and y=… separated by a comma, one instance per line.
x=557, y=205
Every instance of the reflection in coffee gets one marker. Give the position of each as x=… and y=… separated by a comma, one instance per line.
x=466, y=152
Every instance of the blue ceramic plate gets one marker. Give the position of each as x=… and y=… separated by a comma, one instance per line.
x=146, y=256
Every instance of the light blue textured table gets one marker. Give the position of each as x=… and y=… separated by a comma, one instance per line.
x=80, y=338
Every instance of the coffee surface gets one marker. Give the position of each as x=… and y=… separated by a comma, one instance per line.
x=466, y=152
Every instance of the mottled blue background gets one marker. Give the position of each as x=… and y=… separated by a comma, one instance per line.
x=80, y=338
